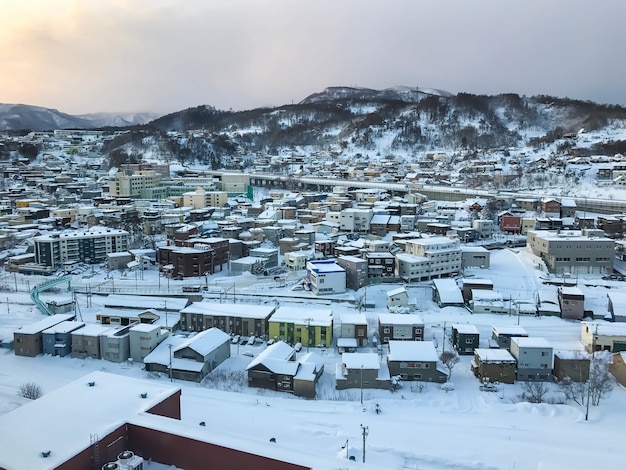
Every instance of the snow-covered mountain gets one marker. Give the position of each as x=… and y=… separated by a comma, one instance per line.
x=15, y=117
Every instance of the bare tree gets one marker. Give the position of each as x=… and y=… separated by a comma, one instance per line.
x=449, y=359
x=600, y=382
x=534, y=392
x=573, y=391
x=30, y=390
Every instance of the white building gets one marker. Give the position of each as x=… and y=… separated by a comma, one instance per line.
x=144, y=338
x=356, y=220
x=326, y=277
x=201, y=198
x=443, y=254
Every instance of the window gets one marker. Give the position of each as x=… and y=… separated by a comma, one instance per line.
x=386, y=330
x=468, y=341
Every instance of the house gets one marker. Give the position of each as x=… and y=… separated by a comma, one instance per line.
x=468, y=285
x=571, y=364
x=273, y=368
x=494, y=365
x=310, y=327
x=465, y=338
x=603, y=336
x=380, y=264
x=393, y=326
x=487, y=301
x=360, y=370
x=415, y=360
x=190, y=358
x=502, y=334
x=296, y=260
x=617, y=306
x=572, y=302
x=28, y=339
x=356, y=271
x=115, y=344
x=57, y=340
x=534, y=358
x=397, y=298
x=326, y=277
x=447, y=293
x=354, y=326
x=310, y=369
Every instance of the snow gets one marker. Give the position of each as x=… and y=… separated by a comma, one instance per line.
x=412, y=351
x=367, y=361
x=489, y=430
x=399, y=319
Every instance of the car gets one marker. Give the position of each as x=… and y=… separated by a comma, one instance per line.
x=235, y=339
x=247, y=353
x=251, y=340
x=297, y=347
x=271, y=341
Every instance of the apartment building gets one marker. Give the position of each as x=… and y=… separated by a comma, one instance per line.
x=572, y=251
x=201, y=198
x=443, y=254
x=85, y=246
x=130, y=183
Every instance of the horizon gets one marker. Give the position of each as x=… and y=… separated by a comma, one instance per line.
x=161, y=56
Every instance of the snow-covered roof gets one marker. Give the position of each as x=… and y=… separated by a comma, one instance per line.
x=399, y=319
x=412, y=351
x=572, y=290
x=273, y=356
x=354, y=318
x=367, y=361
x=525, y=342
x=145, y=302
x=303, y=316
x=483, y=296
x=230, y=310
x=92, y=329
x=64, y=327
x=145, y=327
x=606, y=328
x=101, y=408
x=398, y=291
x=618, y=299
x=509, y=330
x=465, y=328
x=494, y=355
x=449, y=292
x=205, y=341
x=44, y=323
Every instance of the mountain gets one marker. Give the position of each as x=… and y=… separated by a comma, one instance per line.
x=14, y=117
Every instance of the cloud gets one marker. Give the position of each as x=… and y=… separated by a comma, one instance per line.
x=166, y=55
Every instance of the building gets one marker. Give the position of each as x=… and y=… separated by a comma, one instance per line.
x=534, y=358
x=487, y=301
x=130, y=184
x=310, y=327
x=86, y=341
x=494, y=365
x=617, y=306
x=413, y=268
x=398, y=297
x=571, y=364
x=57, y=340
x=447, y=293
x=360, y=370
x=201, y=198
x=572, y=252
x=236, y=319
x=572, y=302
x=326, y=277
x=190, y=358
x=483, y=227
x=603, y=336
x=474, y=257
x=465, y=338
x=354, y=326
x=91, y=246
x=296, y=260
x=356, y=271
x=125, y=414
x=394, y=326
x=115, y=344
x=143, y=339
x=502, y=335
x=380, y=264
x=415, y=361
x=356, y=220
x=472, y=284
x=28, y=339
x=444, y=254
x=182, y=261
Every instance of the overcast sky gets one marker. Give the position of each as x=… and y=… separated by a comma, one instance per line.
x=164, y=55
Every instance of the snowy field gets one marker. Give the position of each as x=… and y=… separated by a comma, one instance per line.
x=419, y=427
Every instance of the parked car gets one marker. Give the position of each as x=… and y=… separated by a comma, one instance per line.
x=271, y=341
x=251, y=340
x=247, y=353
x=235, y=339
x=297, y=347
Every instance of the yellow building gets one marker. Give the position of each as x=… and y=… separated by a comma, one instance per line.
x=200, y=198
x=310, y=327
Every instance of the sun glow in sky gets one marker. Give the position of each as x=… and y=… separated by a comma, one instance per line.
x=165, y=55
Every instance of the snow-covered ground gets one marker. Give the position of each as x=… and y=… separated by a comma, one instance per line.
x=419, y=427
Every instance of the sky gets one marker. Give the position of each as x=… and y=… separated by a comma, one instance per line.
x=165, y=55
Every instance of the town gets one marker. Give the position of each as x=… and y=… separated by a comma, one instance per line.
x=344, y=282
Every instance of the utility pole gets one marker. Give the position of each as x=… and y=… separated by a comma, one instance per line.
x=443, y=346
x=361, y=384
x=365, y=431
x=165, y=304
x=170, y=346
x=593, y=347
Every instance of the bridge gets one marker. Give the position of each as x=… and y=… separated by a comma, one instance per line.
x=445, y=193
x=35, y=291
